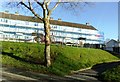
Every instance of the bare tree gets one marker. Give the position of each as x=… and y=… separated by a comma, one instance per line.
x=47, y=10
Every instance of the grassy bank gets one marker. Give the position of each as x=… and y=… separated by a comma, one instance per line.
x=111, y=75
x=64, y=59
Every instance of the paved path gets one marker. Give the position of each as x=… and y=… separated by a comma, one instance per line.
x=90, y=75
x=17, y=75
x=86, y=76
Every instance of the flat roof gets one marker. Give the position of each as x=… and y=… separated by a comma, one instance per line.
x=54, y=22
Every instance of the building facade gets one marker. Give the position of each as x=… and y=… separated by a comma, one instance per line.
x=19, y=28
x=113, y=46
x=110, y=44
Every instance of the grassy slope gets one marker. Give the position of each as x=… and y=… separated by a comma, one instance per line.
x=64, y=58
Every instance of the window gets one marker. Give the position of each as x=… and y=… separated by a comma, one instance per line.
x=35, y=24
x=27, y=23
x=6, y=20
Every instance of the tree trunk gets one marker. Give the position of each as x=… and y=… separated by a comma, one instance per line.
x=47, y=40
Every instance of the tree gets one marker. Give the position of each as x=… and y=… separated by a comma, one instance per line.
x=46, y=11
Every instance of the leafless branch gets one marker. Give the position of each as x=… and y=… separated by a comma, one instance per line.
x=51, y=10
x=41, y=4
x=30, y=8
x=48, y=2
x=55, y=5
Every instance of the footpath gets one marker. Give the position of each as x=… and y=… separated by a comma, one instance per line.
x=17, y=75
x=89, y=75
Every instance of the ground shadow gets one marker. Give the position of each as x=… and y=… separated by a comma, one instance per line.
x=114, y=53
x=38, y=76
x=100, y=68
x=104, y=66
x=21, y=59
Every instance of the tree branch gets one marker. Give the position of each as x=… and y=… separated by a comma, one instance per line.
x=50, y=11
x=31, y=9
x=39, y=3
x=48, y=2
x=55, y=5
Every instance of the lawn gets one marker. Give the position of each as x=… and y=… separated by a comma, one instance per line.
x=30, y=56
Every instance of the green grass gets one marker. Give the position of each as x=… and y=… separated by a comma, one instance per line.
x=64, y=59
x=111, y=75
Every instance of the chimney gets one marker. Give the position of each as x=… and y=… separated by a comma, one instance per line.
x=6, y=12
x=59, y=19
x=88, y=24
x=16, y=13
x=51, y=18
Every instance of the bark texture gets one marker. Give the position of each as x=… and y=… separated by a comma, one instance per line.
x=47, y=41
